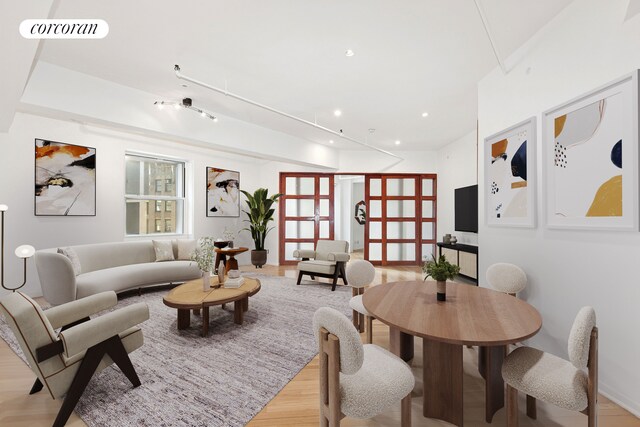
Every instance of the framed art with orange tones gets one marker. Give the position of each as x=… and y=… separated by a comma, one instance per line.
x=65, y=179
x=510, y=171
x=590, y=159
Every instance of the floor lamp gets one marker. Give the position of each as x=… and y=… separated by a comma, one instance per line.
x=23, y=251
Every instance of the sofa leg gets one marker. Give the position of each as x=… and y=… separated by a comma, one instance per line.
x=299, y=277
x=37, y=386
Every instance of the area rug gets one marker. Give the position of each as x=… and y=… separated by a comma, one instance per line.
x=224, y=379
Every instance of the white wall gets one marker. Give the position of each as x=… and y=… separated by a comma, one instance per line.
x=586, y=46
x=457, y=167
x=372, y=161
x=17, y=191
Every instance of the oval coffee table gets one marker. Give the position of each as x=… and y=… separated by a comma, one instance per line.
x=190, y=296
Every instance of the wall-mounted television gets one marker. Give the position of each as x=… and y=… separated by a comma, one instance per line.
x=466, y=209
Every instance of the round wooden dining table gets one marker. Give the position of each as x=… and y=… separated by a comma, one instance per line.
x=472, y=316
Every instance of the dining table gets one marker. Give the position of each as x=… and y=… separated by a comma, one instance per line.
x=470, y=316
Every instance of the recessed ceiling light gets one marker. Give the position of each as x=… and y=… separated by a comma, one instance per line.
x=349, y=53
x=397, y=142
x=337, y=113
x=425, y=114
x=331, y=141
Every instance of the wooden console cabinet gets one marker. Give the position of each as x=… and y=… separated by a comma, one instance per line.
x=465, y=256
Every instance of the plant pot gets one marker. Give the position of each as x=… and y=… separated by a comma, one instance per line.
x=441, y=290
x=259, y=258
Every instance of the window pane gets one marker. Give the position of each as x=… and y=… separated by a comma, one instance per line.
x=427, y=209
x=401, y=230
x=299, y=207
x=300, y=186
x=324, y=230
x=324, y=207
x=375, y=187
x=299, y=229
x=427, y=230
x=401, y=208
x=290, y=247
x=376, y=208
x=375, y=251
x=153, y=177
x=375, y=230
x=401, y=187
x=427, y=187
x=401, y=251
x=142, y=217
x=324, y=186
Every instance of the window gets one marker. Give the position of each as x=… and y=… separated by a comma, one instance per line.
x=150, y=183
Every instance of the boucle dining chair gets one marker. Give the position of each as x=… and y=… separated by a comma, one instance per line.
x=507, y=278
x=551, y=379
x=327, y=260
x=65, y=362
x=360, y=273
x=356, y=380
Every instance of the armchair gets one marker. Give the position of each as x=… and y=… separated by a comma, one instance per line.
x=65, y=362
x=328, y=260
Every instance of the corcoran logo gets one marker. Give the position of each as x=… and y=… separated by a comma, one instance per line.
x=64, y=28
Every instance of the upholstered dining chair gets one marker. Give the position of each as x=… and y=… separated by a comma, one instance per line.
x=551, y=379
x=356, y=380
x=65, y=362
x=360, y=273
x=507, y=278
x=327, y=260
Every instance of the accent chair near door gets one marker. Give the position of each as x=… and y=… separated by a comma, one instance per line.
x=327, y=260
x=65, y=362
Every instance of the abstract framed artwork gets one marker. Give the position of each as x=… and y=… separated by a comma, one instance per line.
x=223, y=192
x=590, y=159
x=510, y=169
x=65, y=179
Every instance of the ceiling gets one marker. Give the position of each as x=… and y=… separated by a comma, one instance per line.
x=410, y=57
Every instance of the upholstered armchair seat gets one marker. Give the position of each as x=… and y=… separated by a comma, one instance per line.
x=363, y=395
x=546, y=377
x=356, y=304
x=327, y=260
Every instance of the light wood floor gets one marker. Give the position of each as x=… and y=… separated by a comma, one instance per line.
x=297, y=403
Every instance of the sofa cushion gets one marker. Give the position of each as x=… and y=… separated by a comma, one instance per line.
x=73, y=257
x=135, y=275
x=163, y=250
x=186, y=248
x=316, y=266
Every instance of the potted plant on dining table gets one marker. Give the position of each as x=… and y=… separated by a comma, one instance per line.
x=440, y=270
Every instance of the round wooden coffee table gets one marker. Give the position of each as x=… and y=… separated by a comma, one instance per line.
x=231, y=263
x=190, y=296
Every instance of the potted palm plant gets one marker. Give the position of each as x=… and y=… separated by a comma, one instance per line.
x=259, y=214
x=440, y=270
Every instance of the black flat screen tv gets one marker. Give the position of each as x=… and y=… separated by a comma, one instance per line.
x=466, y=209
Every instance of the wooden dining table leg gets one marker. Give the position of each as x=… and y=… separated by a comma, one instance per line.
x=401, y=344
x=442, y=379
x=493, y=383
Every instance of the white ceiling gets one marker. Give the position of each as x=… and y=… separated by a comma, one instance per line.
x=410, y=56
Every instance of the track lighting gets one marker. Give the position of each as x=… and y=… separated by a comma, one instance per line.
x=186, y=103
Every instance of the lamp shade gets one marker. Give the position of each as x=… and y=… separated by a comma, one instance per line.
x=25, y=251
x=4, y=208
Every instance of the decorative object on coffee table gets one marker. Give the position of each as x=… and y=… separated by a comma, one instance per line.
x=23, y=251
x=203, y=256
x=259, y=215
x=189, y=296
x=221, y=274
x=440, y=270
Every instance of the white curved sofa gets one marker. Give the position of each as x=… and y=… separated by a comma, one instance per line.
x=118, y=267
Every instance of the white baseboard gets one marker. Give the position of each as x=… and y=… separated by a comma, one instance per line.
x=623, y=401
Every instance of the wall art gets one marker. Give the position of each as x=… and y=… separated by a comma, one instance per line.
x=223, y=192
x=591, y=159
x=510, y=183
x=65, y=179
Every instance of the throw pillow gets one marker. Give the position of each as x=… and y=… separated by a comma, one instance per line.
x=186, y=249
x=164, y=250
x=73, y=257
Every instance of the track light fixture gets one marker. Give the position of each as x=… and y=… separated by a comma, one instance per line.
x=188, y=104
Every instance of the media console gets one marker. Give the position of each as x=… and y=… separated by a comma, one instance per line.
x=465, y=256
